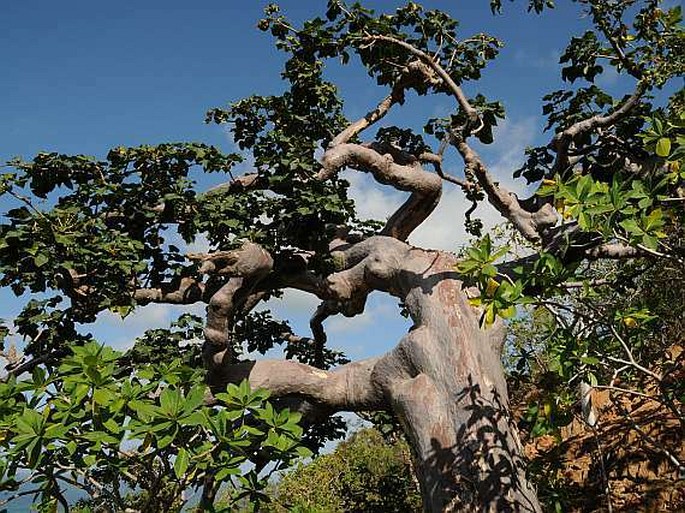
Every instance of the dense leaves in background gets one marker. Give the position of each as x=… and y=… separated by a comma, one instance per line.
x=367, y=473
x=597, y=379
x=599, y=346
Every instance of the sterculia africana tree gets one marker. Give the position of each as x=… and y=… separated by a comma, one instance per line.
x=104, y=243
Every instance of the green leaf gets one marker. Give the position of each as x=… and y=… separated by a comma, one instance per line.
x=112, y=426
x=194, y=399
x=146, y=373
x=171, y=402
x=144, y=409
x=100, y=437
x=71, y=447
x=197, y=418
x=102, y=396
x=631, y=226
x=663, y=147
x=41, y=259
x=225, y=472
x=592, y=379
x=181, y=463
x=167, y=439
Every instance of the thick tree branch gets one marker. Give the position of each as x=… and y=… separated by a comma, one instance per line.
x=246, y=266
x=613, y=250
x=563, y=140
x=396, y=96
x=20, y=367
x=291, y=271
x=436, y=161
x=188, y=291
x=325, y=310
x=529, y=224
x=347, y=388
x=599, y=120
x=244, y=182
x=426, y=188
x=591, y=251
x=441, y=380
x=181, y=291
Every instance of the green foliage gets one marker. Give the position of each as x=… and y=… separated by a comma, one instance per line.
x=489, y=112
x=160, y=345
x=591, y=336
x=665, y=136
x=496, y=297
x=638, y=210
x=364, y=473
x=260, y=332
x=86, y=426
x=84, y=234
x=625, y=208
x=582, y=54
x=533, y=5
x=642, y=210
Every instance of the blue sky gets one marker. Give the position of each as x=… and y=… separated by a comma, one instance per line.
x=82, y=76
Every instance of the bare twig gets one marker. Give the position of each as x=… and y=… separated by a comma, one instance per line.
x=439, y=70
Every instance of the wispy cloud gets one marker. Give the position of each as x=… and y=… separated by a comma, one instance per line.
x=373, y=332
x=293, y=303
x=199, y=245
x=373, y=200
x=444, y=229
x=511, y=139
x=376, y=313
x=544, y=60
x=120, y=333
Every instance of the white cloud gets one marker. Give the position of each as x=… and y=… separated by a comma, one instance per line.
x=293, y=302
x=376, y=313
x=511, y=139
x=199, y=245
x=444, y=229
x=543, y=61
x=295, y=306
x=373, y=200
x=119, y=333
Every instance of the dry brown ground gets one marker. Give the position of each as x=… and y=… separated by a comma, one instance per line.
x=631, y=438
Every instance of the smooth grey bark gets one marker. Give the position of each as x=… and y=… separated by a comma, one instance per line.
x=444, y=380
x=453, y=402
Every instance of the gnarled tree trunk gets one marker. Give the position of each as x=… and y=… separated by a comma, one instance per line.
x=450, y=396
x=444, y=380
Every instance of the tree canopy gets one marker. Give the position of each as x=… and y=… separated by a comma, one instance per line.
x=90, y=234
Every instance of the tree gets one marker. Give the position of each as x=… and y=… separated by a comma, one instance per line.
x=365, y=473
x=611, y=188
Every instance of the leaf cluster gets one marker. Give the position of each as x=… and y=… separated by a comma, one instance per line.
x=150, y=433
